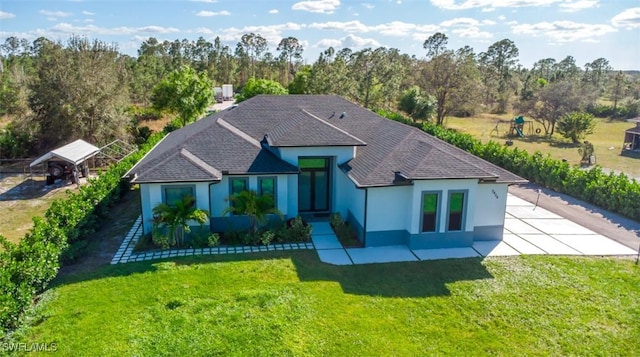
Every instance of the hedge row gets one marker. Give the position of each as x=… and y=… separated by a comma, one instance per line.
x=26, y=268
x=614, y=192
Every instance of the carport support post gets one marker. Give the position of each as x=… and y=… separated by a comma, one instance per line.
x=75, y=175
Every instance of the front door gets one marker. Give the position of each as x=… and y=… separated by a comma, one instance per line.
x=313, y=184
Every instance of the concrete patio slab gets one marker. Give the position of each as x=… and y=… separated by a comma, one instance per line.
x=321, y=228
x=528, y=212
x=521, y=245
x=555, y=226
x=387, y=254
x=494, y=248
x=445, y=253
x=549, y=244
x=517, y=226
x=334, y=256
x=594, y=245
x=515, y=201
x=328, y=241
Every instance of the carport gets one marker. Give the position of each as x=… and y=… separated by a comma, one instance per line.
x=632, y=137
x=67, y=161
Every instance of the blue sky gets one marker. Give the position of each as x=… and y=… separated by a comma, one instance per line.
x=584, y=29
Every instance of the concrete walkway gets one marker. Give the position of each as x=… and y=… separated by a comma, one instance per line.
x=528, y=230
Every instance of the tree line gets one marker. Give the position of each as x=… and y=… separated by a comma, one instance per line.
x=54, y=91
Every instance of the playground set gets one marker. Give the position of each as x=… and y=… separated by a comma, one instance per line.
x=516, y=127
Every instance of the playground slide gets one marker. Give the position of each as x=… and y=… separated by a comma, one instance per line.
x=519, y=132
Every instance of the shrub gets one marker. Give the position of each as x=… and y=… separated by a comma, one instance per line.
x=295, y=230
x=27, y=268
x=576, y=126
x=345, y=233
x=267, y=237
x=213, y=240
x=616, y=193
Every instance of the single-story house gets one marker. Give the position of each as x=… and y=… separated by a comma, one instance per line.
x=319, y=154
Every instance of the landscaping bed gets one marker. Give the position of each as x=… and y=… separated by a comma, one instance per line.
x=294, y=230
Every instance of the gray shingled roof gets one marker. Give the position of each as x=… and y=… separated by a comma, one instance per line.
x=203, y=151
x=385, y=149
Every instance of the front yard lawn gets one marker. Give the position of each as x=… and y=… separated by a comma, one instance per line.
x=289, y=303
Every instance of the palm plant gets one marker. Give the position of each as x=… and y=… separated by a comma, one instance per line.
x=177, y=216
x=255, y=207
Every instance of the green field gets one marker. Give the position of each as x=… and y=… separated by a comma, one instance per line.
x=606, y=139
x=21, y=199
x=292, y=304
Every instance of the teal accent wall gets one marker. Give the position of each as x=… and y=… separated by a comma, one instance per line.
x=353, y=222
x=420, y=241
x=382, y=238
x=237, y=223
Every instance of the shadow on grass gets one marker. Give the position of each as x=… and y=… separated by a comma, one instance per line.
x=26, y=190
x=405, y=280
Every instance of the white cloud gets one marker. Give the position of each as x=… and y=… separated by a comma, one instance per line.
x=394, y=28
x=489, y=5
x=6, y=15
x=460, y=21
x=468, y=27
x=350, y=41
x=577, y=5
x=319, y=6
x=213, y=13
x=272, y=33
x=347, y=26
x=502, y=17
x=368, y=5
x=273, y=11
x=564, y=31
x=629, y=18
x=204, y=31
x=399, y=28
x=54, y=13
x=472, y=32
x=88, y=13
x=66, y=28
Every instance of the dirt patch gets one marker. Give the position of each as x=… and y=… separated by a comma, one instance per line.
x=23, y=197
x=104, y=243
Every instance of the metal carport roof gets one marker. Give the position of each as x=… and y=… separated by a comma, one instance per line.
x=75, y=153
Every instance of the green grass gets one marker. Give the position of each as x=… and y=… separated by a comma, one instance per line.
x=607, y=134
x=292, y=304
x=23, y=199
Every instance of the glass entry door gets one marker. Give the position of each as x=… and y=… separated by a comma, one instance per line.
x=313, y=184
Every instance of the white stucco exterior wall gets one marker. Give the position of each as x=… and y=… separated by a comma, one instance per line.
x=444, y=186
x=389, y=208
x=492, y=203
x=348, y=197
x=220, y=191
x=341, y=153
x=151, y=195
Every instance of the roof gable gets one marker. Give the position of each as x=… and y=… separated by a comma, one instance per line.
x=237, y=140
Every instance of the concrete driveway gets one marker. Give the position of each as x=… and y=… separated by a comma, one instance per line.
x=528, y=230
